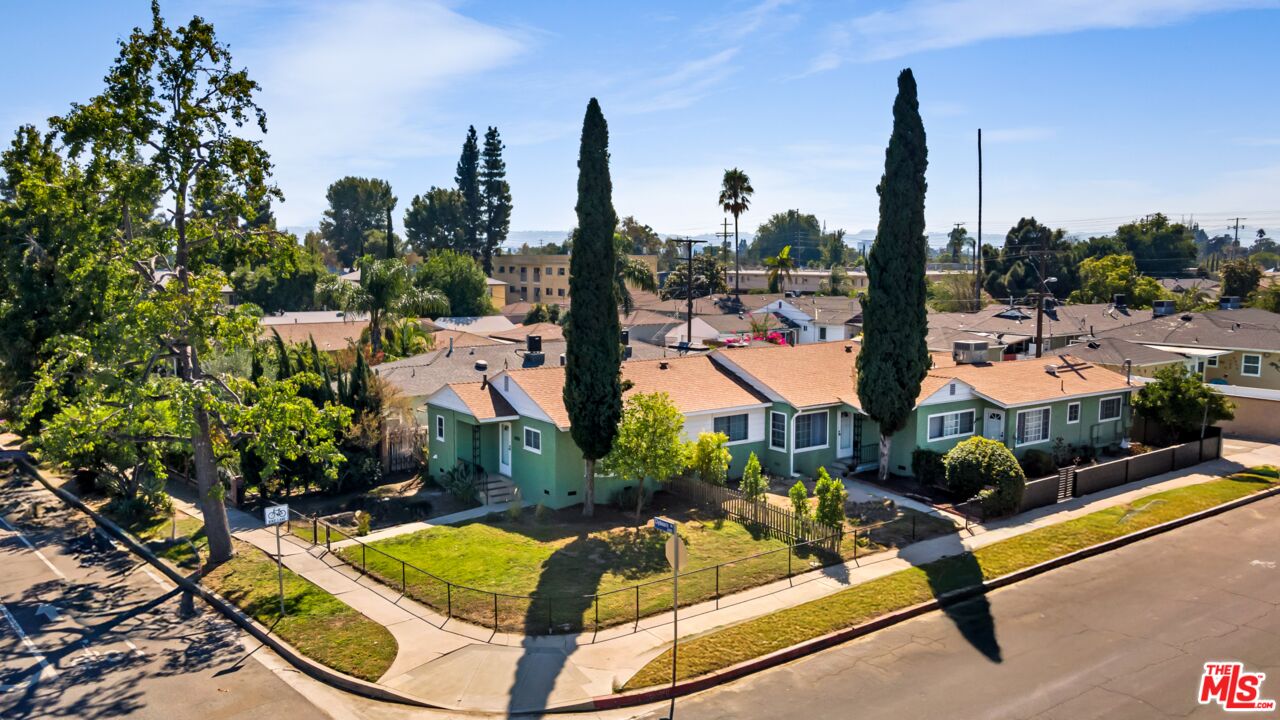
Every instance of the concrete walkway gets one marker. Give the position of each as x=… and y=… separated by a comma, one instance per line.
x=457, y=665
x=474, y=513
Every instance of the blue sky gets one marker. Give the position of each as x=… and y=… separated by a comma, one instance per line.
x=1093, y=111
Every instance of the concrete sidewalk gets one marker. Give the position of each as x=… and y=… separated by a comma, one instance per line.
x=457, y=665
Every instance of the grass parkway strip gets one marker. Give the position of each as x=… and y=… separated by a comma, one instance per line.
x=735, y=644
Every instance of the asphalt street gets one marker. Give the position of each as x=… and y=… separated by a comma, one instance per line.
x=1121, y=635
x=88, y=631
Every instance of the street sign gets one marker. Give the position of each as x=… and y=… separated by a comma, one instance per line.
x=676, y=545
x=665, y=525
x=275, y=514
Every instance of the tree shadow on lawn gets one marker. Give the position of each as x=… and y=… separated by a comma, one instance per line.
x=957, y=570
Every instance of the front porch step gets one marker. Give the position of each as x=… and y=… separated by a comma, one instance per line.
x=497, y=489
x=840, y=467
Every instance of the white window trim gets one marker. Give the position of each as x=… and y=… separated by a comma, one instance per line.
x=795, y=424
x=781, y=448
x=1079, y=412
x=1048, y=426
x=524, y=440
x=1213, y=361
x=929, y=421
x=746, y=439
x=1246, y=356
x=1103, y=400
x=440, y=428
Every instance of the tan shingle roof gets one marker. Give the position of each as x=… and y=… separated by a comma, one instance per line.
x=441, y=339
x=329, y=336
x=1018, y=382
x=483, y=400
x=694, y=383
x=804, y=375
x=548, y=331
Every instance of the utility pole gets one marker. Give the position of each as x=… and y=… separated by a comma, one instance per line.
x=977, y=246
x=1235, y=247
x=724, y=235
x=1043, y=254
x=688, y=287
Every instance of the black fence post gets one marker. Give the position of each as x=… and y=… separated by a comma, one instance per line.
x=364, y=560
x=637, y=606
x=855, y=544
x=404, y=583
x=448, y=589
x=597, y=604
x=717, y=587
x=495, y=612
x=790, y=551
x=327, y=546
x=315, y=534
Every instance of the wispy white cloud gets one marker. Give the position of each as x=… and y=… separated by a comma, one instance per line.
x=923, y=25
x=738, y=25
x=354, y=85
x=681, y=86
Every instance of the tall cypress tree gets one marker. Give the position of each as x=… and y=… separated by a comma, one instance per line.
x=593, y=359
x=468, y=180
x=497, y=197
x=894, y=357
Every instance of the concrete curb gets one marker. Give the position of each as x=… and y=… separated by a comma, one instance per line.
x=311, y=668
x=809, y=647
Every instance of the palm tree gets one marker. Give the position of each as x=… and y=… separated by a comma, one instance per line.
x=406, y=338
x=735, y=198
x=780, y=267
x=632, y=273
x=386, y=292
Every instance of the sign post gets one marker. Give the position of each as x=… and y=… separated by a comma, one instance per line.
x=277, y=515
x=676, y=555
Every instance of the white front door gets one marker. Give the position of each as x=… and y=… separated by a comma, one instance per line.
x=504, y=449
x=844, y=435
x=993, y=425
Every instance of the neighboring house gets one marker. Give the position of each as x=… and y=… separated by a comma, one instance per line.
x=479, y=325
x=497, y=290
x=943, y=340
x=329, y=336
x=817, y=319
x=1211, y=288
x=809, y=281
x=1014, y=326
x=1231, y=347
x=1126, y=357
x=795, y=407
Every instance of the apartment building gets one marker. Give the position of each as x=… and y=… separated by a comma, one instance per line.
x=542, y=278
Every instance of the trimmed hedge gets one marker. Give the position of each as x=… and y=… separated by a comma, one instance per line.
x=979, y=462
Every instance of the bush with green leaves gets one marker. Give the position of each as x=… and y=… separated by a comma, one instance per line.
x=979, y=462
x=1038, y=464
x=1176, y=400
x=461, y=481
x=831, y=499
x=753, y=485
x=975, y=463
x=363, y=522
x=800, y=500
x=710, y=457
x=927, y=467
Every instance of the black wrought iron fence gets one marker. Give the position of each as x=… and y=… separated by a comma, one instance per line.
x=541, y=614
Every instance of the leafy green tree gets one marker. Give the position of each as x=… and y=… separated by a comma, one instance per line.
x=735, y=198
x=894, y=356
x=799, y=497
x=1178, y=400
x=834, y=253
x=356, y=205
x=708, y=278
x=467, y=180
x=1014, y=270
x=385, y=292
x=953, y=292
x=837, y=282
x=1160, y=248
x=799, y=230
x=641, y=239
x=753, y=486
x=831, y=499
x=648, y=445
x=540, y=313
x=1240, y=277
x=593, y=357
x=496, y=195
x=1102, y=278
x=168, y=115
x=778, y=269
x=709, y=457
x=459, y=278
x=287, y=283
x=436, y=221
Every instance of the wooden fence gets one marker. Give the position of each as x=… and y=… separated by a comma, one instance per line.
x=402, y=447
x=777, y=522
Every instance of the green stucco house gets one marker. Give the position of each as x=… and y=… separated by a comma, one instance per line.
x=795, y=407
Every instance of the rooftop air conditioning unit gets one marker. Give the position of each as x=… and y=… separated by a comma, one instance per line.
x=1161, y=308
x=1229, y=302
x=968, y=352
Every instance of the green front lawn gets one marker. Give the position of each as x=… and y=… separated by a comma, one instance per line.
x=563, y=562
x=319, y=625
x=761, y=636
x=176, y=537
